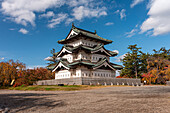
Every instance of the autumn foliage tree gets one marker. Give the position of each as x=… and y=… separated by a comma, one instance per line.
x=17, y=72
x=152, y=68
x=9, y=71
x=30, y=76
x=158, y=64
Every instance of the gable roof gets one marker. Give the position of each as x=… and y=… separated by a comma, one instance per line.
x=97, y=65
x=51, y=66
x=71, y=49
x=82, y=32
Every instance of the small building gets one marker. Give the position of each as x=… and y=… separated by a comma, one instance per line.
x=83, y=55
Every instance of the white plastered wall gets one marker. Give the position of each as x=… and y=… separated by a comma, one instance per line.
x=91, y=57
x=69, y=57
x=103, y=73
x=62, y=74
x=83, y=42
x=84, y=72
x=76, y=43
x=96, y=57
x=89, y=43
x=97, y=73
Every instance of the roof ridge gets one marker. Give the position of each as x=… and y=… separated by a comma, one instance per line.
x=86, y=33
x=74, y=27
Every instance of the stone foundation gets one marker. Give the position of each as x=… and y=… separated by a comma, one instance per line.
x=91, y=81
x=168, y=83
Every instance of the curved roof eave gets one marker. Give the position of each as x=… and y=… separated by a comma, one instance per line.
x=56, y=67
x=85, y=33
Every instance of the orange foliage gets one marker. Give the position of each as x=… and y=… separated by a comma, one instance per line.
x=16, y=71
x=118, y=77
x=9, y=71
x=149, y=78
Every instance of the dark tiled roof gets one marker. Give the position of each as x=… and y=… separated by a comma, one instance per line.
x=51, y=66
x=116, y=66
x=85, y=33
x=99, y=46
x=88, y=63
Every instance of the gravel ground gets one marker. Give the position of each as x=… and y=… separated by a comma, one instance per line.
x=145, y=99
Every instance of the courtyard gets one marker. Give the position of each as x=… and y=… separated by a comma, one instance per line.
x=118, y=99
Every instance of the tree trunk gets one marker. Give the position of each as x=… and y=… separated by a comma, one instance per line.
x=136, y=73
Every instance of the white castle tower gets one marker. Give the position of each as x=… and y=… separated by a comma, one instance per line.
x=83, y=55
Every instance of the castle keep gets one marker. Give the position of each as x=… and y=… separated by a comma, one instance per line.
x=83, y=55
x=83, y=60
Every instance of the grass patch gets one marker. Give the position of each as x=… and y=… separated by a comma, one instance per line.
x=60, y=88
x=4, y=87
x=56, y=88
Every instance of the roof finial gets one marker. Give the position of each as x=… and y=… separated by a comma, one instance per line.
x=72, y=24
x=95, y=31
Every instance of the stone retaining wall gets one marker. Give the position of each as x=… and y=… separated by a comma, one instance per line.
x=68, y=81
x=91, y=81
x=168, y=83
x=110, y=81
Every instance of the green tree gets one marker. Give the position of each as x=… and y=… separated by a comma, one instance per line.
x=53, y=60
x=134, y=63
x=53, y=57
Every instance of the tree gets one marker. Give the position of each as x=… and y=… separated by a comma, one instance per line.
x=10, y=71
x=53, y=59
x=163, y=53
x=158, y=64
x=30, y=76
x=134, y=62
x=167, y=72
x=16, y=71
x=149, y=78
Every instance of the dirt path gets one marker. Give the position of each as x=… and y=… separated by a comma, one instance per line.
x=105, y=100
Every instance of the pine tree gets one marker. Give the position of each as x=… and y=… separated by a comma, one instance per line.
x=134, y=63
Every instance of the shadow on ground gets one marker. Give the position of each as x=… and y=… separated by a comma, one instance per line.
x=24, y=101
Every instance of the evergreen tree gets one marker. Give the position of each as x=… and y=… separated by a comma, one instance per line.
x=53, y=60
x=134, y=63
x=54, y=57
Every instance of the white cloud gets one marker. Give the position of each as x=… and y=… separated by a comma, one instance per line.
x=2, y=58
x=69, y=20
x=132, y=32
x=11, y=29
x=51, y=58
x=135, y=2
x=81, y=12
x=48, y=59
x=118, y=72
x=117, y=11
x=116, y=51
x=122, y=14
x=159, y=16
x=118, y=59
x=109, y=23
x=25, y=11
x=23, y=31
x=48, y=14
x=35, y=66
x=57, y=20
x=74, y=3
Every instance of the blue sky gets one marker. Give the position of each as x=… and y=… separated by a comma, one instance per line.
x=29, y=29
